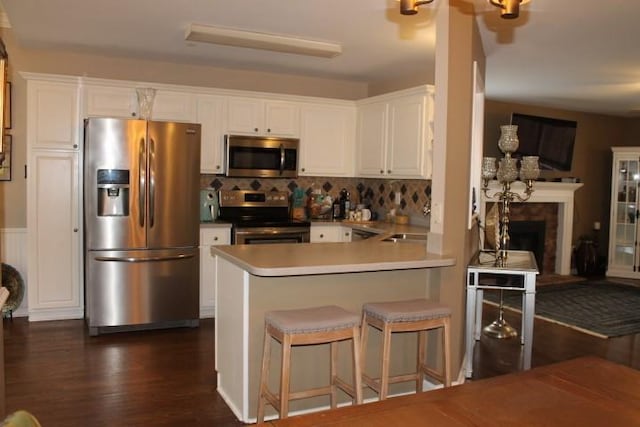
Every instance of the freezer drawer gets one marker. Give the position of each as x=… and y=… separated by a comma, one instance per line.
x=141, y=287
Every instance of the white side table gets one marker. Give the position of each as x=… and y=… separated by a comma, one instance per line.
x=519, y=263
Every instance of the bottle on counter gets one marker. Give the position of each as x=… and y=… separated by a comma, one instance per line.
x=345, y=203
x=335, y=208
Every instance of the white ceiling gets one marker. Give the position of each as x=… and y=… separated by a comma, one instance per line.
x=582, y=56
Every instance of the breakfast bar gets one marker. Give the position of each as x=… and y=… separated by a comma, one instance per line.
x=254, y=279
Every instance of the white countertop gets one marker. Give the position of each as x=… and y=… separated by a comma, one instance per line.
x=299, y=259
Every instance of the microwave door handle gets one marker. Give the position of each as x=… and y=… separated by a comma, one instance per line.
x=152, y=181
x=281, y=159
x=142, y=177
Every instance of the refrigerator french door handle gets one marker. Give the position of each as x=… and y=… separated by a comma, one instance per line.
x=142, y=177
x=144, y=259
x=152, y=181
x=281, y=159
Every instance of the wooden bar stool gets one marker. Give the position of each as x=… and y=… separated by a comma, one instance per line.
x=418, y=315
x=317, y=325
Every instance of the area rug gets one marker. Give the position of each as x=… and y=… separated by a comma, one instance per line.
x=602, y=308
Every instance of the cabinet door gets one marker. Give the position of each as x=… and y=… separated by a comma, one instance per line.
x=109, y=101
x=245, y=115
x=623, y=254
x=282, y=118
x=52, y=115
x=262, y=117
x=210, y=237
x=326, y=234
x=174, y=106
x=210, y=114
x=372, y=140
x=407, y=137
x=54, y=236
x=327, y=140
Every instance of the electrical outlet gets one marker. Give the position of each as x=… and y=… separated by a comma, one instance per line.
x=397, y=199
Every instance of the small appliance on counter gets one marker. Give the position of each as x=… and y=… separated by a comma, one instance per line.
x=208, y=205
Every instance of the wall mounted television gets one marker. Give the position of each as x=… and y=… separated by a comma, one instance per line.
x=550, y=139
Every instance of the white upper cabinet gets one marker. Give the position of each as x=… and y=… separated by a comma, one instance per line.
x=210, y=115
x=52, y=115
x=253, y=116
x=122, y=102
x=327, y=140
x=110, y=101
x=174, y=106
x=395, y=135
x=372, y=139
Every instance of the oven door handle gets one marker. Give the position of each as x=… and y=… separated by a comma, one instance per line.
x=281, y=159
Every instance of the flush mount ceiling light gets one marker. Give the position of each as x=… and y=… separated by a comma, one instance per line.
x=254, y=40
x=510, y=9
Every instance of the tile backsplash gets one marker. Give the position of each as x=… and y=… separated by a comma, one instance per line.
x=379, y=193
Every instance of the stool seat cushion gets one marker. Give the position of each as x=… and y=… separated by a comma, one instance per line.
x=406, y=311
x=310, y=320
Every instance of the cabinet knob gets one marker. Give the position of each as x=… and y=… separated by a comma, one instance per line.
x=215, y=238
x=75, y=145
x=302, y=169
x=388, y=170
x=255, y=129
x=381, y=172
x=217, y=166
x=346, y=234
x=268, y=130
x=133, y=114
x=322, y=236
x=75, y=230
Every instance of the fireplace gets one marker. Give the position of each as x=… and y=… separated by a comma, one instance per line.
x=529, y=236
x=556, y=199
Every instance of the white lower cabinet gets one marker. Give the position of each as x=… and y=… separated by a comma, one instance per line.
x=54, y=236
x=330, y=234
x=210, y=237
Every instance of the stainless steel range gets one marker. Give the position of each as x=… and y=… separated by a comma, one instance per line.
x=261, y=217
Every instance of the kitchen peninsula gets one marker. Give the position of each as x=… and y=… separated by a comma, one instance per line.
x=253, y=279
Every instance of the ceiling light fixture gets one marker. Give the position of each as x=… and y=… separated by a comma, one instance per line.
x=254, y=40
x=510, y=9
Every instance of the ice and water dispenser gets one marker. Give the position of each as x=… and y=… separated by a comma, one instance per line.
x=113, y=192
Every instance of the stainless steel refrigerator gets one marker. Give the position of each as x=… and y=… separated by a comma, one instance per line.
x=141, y=219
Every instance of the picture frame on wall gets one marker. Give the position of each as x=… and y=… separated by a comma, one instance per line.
x=5, y=164
x=7, y=105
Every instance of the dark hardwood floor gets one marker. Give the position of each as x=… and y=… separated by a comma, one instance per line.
x=166, y=377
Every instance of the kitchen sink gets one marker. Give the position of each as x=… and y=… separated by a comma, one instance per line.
x=406, y=238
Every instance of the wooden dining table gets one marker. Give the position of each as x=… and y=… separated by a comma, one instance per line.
x=586, y=391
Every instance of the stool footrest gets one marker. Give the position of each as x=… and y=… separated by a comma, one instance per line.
x=312, y=392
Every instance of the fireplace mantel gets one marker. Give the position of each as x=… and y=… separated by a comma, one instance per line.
x=549, y=192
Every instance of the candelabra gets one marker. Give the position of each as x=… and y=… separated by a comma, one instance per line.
x=507, y=173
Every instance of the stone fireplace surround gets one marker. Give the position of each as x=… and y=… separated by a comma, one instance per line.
x=559, y=193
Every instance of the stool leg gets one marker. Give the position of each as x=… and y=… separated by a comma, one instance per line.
x=332, y=372
x=285, y=374
x=386, y=351
x=264, y=375
x=357, y=368
x=364, y=335
x=422, y=335
x=446, y=351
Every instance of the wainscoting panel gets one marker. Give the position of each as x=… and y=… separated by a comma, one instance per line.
x=13, y=251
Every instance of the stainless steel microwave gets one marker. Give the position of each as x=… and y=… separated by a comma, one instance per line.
x=261, y=156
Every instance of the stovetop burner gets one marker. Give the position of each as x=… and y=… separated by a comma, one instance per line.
x=244, y=208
